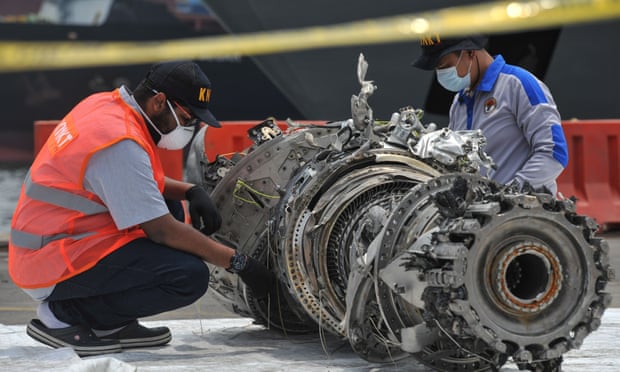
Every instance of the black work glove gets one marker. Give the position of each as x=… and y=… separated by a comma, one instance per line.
x=203, y=213
x=254, y=274
x=453, y=202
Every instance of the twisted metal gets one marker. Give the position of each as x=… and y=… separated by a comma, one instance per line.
x=384, y=234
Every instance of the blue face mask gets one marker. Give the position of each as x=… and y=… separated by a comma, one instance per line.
x=449, y=78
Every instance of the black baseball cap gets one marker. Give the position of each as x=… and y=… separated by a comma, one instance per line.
x=433, y=48
x=185, y=82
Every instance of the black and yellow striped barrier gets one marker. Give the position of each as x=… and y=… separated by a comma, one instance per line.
x=493, y=17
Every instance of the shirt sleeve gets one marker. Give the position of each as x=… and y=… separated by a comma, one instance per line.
x=122, y=177
x=541, y=125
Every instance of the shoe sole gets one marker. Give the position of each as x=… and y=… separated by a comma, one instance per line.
x=54, y=342
x=159, y=340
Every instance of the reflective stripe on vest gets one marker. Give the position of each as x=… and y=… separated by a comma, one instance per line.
x=23, y=239
x=59, y=198
x=62, y=198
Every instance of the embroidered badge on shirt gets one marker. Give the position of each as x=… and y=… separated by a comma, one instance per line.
x=490, y=105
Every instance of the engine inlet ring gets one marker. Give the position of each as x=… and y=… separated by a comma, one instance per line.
x=528, y=277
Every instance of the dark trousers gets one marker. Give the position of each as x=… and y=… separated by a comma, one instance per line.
x=140, y=279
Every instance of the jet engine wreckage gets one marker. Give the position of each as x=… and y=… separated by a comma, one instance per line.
x=383, y=233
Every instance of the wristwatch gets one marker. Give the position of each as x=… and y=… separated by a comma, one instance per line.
x=237, y=263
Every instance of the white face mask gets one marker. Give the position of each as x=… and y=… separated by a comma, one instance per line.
x=450, y=79
x=178, y=138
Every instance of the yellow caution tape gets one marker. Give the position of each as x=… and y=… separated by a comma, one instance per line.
x=486, y=18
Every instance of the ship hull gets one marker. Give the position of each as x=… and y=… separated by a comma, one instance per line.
x=241, y=91
x=577, y=62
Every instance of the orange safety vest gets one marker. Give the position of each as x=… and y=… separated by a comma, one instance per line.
x=59, y=229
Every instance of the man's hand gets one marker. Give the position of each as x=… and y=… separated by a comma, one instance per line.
x=254, y=274
x=203, y=213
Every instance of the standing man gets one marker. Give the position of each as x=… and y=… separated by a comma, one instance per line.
x=513, y=109
x=92, y=237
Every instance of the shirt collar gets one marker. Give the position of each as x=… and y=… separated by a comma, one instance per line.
x=490, y=76
x=127, y=96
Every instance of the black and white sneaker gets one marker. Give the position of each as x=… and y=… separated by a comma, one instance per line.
x=79, y=338
x=136, y=335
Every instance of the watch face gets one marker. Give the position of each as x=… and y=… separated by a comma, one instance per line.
x=237, y=263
